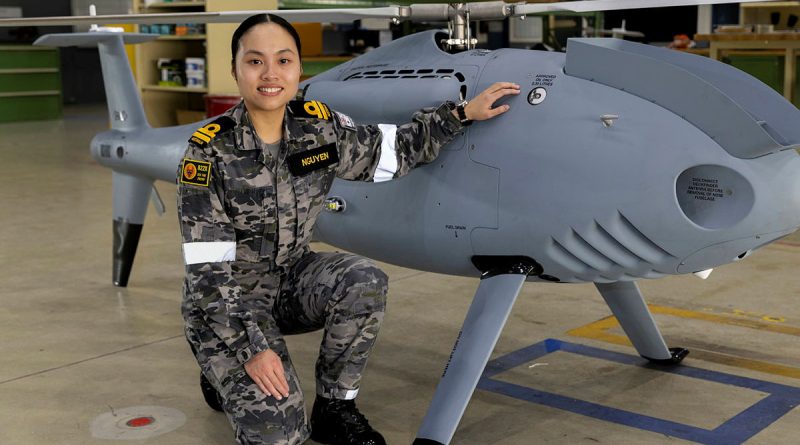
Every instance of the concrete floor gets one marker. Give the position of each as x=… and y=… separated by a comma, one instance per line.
x=75, y=347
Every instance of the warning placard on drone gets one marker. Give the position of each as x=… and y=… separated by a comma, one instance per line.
x=705, y=189
x=543, y=80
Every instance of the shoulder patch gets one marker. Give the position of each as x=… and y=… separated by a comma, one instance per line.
x=310, y=109
x=203, y=135
x=195, y=172
x=345, y=121
x=307, y=161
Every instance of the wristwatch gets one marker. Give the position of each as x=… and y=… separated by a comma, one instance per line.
x=462, y=114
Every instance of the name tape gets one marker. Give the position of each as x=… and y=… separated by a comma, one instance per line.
x=306, y=162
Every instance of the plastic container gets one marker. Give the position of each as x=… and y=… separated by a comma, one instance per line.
x=217, y=104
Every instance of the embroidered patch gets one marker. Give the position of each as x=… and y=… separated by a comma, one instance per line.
x=311, y=108
x=345, y=121
x=306, y=162
x=203, y=135
x=196, y=172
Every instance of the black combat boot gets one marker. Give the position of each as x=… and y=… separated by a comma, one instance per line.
x=338, y=422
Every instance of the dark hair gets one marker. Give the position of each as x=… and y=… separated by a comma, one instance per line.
x=258, y=19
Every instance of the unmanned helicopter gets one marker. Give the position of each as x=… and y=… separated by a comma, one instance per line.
x=596, y=174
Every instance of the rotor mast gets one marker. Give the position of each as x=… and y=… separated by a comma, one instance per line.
x=460, y=32
x=457, y=16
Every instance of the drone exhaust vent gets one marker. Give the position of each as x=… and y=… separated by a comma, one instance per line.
x=424, y=73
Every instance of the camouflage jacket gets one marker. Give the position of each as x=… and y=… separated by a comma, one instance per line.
x=237, y=204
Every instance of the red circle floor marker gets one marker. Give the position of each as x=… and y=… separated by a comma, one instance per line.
x=136, y=422
x=140, y=422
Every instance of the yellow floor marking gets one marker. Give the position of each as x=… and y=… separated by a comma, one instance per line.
x=600, y=330
x=725, y=319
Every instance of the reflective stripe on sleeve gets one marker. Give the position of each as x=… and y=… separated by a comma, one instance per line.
x=387, y=166
x=213, y=252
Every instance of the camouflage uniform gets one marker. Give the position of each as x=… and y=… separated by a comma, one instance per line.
x=246, y=220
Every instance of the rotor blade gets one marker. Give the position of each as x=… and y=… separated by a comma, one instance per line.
x=610, y=5
x=302, y=15
x=433, y=12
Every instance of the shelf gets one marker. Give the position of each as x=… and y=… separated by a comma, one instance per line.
x=24, y=48
x=769, y=5
x=30, y=93
x=160, y=102
x=28, y=70
x=329, y=4
x=786, y=36
x=186, y=37
x=174, y=89
x=173, y=5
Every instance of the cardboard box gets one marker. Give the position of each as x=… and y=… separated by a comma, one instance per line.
x=310, y=38
x=189, y=116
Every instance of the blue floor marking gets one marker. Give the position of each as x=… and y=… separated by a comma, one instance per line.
x=780, y=400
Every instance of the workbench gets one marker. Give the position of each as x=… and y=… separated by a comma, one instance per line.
x=787, y=42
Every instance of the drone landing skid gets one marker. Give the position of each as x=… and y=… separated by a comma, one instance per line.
x=485, y=320
x=628, y=306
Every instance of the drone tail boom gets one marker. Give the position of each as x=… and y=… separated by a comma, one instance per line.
x=124, y=103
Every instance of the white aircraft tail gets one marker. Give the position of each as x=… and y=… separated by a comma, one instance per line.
x=125, y=109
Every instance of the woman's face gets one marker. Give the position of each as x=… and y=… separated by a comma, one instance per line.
x=267, y=67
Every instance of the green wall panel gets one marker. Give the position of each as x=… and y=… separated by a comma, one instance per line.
x=314, y=67
x=29, y=82
x=768, y=69
x=27, y=58
x=797, y=85
x=28, y=96
x=30, y=108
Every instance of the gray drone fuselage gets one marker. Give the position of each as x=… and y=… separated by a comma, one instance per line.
x=648, y=195
x=630, y=161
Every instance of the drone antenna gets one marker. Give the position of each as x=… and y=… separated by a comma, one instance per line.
x=93, y=12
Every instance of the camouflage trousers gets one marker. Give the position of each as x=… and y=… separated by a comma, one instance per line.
x=341, y=293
